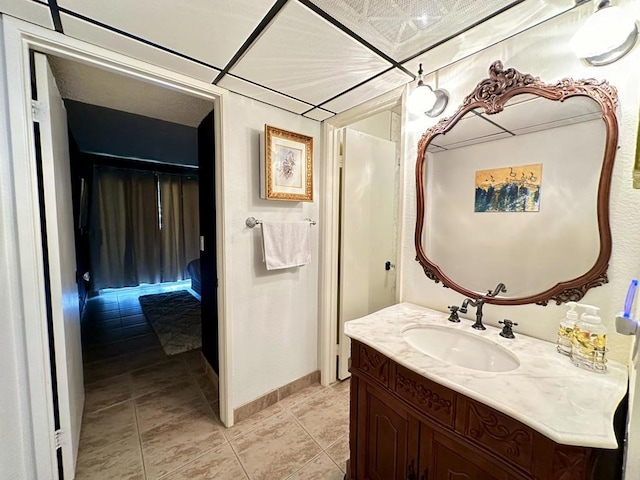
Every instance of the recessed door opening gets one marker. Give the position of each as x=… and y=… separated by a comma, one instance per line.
x=129, y=252
x=368, y=220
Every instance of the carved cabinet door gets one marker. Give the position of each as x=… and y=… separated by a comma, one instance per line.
x=390, y=439
x=451, y=461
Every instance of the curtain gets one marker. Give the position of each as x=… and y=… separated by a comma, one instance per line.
x=144, y=227
x=179, y=231
x=124, y=244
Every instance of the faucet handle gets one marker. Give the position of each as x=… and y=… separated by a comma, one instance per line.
x=454, y=313
x=507, y=330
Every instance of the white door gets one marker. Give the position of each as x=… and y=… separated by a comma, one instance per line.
x=60, y=242
x=368, y=232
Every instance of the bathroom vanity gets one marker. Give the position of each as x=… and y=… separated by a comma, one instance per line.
x=522, y=411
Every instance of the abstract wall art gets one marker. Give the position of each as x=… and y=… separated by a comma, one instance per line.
x=509, y=189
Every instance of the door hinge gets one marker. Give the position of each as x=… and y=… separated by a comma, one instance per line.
x=336, y=349
x=340, y=161
x=58, y=438
x=37, y=110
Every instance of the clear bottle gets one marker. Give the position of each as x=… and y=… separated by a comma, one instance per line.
x=589, y=345
x=565, y=330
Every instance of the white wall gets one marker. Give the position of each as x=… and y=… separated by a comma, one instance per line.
x=378, y=125
x=16, y=459
x=544, y=52
x=273, y=314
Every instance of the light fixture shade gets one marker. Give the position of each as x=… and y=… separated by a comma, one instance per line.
x=605, y=36
x=442, y=98
x=421, y=99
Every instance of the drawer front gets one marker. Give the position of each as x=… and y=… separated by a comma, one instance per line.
x=430, y=398
x=498, y=433
x=371, y=363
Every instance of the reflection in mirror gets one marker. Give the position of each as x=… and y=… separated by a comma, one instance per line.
x=516, y=197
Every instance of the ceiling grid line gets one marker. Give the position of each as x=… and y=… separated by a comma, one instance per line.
x=413, y=57
x=314, y=58
x=262, y=26
x=318, y=11
x=463, y=31
x=186, y=57
x=55, y=16
x=273, y=90
x=134, y=37
x=350, y=89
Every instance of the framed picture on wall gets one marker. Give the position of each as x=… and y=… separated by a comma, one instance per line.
x=287, y=166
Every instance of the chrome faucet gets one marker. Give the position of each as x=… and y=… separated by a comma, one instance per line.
x=479, y=303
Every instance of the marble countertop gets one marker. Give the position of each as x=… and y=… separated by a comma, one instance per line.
x=570, y=405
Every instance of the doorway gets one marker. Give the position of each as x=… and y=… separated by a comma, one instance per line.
x=369, y=176
x=361, y=211
x=19, y=39
x=141, y=331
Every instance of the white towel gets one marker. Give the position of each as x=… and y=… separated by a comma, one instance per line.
x=286, y=244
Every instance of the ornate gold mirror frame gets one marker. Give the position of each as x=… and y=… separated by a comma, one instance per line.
x=492, y=94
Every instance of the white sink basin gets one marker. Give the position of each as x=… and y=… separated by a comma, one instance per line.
x=460, y=348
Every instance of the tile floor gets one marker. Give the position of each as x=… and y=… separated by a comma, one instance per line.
x=149, y=416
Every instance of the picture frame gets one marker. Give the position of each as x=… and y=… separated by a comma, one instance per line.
x=287, y=165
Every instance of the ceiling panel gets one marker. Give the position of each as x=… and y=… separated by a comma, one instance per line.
x=378, y=86
x=208, y=30
x=517, y=19
x=86, y=84
x=401, y=28
x=306, y=57
x=259, y=93
x=319, y=114
x=434, y=148
x=560, y=123
x=540, y=113
x=76, y=28
x=473, y=141
x=28, y=10
x=470, y=127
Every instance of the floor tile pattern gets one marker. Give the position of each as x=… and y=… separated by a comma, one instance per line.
x=149, y=416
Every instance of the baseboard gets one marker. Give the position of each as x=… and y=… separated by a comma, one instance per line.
x=274, y=396
x=209, y=371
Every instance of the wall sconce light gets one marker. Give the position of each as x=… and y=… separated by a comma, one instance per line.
x=606, y=36
x=425, y=100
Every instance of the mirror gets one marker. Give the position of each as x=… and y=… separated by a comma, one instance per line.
x=514, y=188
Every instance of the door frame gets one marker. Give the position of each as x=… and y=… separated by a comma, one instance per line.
x=330, y=216
x=19, y=38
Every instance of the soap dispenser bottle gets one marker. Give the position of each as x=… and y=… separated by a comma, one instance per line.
x=589, y=346
x=565, y=330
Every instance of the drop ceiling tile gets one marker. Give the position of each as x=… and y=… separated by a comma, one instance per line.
x=82, y=30
x=402, y=28
x=242, y=87
x=541, y=113
x=208, y=30
x=382, y=84
x=304, y=56
x=473, y=141
x=319, y=114
x=469, y=128
x=29, y=11
x=509, y=23
x=434, y=148
x=561, y=123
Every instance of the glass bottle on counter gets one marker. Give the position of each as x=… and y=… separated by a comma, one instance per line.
x=566, y=328
x=589, y=345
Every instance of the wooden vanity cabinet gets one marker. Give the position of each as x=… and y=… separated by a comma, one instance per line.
x=406, y=427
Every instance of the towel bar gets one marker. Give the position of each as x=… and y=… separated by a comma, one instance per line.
x=252, y=221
